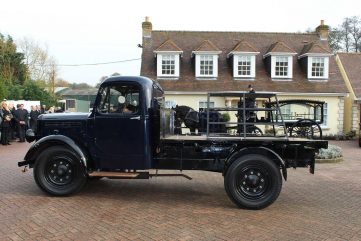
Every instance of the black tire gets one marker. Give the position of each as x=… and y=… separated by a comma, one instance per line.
x=359, y=142
x=58, y=171
x=253, y=181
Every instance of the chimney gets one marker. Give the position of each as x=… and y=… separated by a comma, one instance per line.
x=147, y=28
x=322, y=30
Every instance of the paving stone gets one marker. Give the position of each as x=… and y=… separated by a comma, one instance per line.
x=324, y=206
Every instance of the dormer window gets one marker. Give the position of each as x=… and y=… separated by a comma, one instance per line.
x=206, y=60
x=279, y=61
x=244, y=61
x=317, y=68
x=168, y=55
x=314, y=60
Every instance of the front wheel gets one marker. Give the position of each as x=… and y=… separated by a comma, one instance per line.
x=58, y=171
x=253, y=181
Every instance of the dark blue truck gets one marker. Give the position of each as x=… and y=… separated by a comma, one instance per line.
x=130, y=134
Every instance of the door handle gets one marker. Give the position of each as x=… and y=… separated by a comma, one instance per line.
x=135, y=118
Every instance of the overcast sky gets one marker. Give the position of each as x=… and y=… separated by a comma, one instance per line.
x=82, y=32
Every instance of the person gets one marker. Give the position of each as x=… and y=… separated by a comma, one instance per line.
x=51, y=110
x=21, y=117
x=33, y=117
x=43, y=109
x=5, y=124
x=126, y=109
x=13, y=127
x=250, y=100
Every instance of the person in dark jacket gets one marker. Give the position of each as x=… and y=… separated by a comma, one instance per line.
x=13, y=126
x=5, y=124
x=34, y=113
x=21, y=117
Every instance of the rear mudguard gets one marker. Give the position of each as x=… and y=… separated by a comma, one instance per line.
x=52, y=140
x=257, y=150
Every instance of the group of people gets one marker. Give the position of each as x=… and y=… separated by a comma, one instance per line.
x=15, y=121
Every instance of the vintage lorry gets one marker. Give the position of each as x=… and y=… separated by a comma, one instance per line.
x=129, y=134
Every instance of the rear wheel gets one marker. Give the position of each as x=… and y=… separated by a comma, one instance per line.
x=253, y=181
x=58, y=171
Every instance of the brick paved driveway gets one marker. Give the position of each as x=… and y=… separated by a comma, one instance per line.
x=326, y=206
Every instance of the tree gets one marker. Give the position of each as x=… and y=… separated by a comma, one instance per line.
x=15, y=92
x=3, y=91
x=346, y=37
x=335, y=39
x=355, y=32
x=80, y=86
x=36, y=58
x=32, y=91
x=12, y=68
x=61, y=83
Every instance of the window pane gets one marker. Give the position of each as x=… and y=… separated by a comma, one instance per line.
x=206, y=64
x=168, y=64
x=281, y=66
x=244, y=65
x=318, y=67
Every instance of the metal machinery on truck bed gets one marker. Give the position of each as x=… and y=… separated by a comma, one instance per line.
x=129, y=133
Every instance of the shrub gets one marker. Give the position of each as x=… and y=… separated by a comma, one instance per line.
x=331, y=152
x=226, y=117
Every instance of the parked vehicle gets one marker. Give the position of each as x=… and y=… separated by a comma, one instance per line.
x=129, y=134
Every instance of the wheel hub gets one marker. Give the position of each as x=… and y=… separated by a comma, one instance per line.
x=252, y=182
x=60, y=171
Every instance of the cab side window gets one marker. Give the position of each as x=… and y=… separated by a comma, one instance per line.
x=120, y=99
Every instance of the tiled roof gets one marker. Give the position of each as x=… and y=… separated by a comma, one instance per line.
x=244, y=46
x=280, y=47
x=168, y=45
x=314, y=47
x=351, y=62
x=189, y=41
x=207, y=45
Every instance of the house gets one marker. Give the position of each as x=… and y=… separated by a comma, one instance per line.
x=350, y=67
x=188, y=64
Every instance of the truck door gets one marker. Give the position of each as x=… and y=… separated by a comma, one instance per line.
x=119, y=127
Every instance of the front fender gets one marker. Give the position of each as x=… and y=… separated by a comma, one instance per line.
x=52, y=140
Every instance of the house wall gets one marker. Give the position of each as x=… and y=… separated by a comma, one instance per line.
x=352, y=111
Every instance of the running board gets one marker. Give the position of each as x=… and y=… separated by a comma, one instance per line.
x=121, y=175
x=134, y=175
x=171, y=175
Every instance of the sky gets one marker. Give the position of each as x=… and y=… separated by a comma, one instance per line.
x=87, y=32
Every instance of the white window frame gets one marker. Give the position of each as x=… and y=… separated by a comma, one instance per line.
x=176, y=65
x=289, y=67
x=215, y=66
x=236, y=59
x=325, y=68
